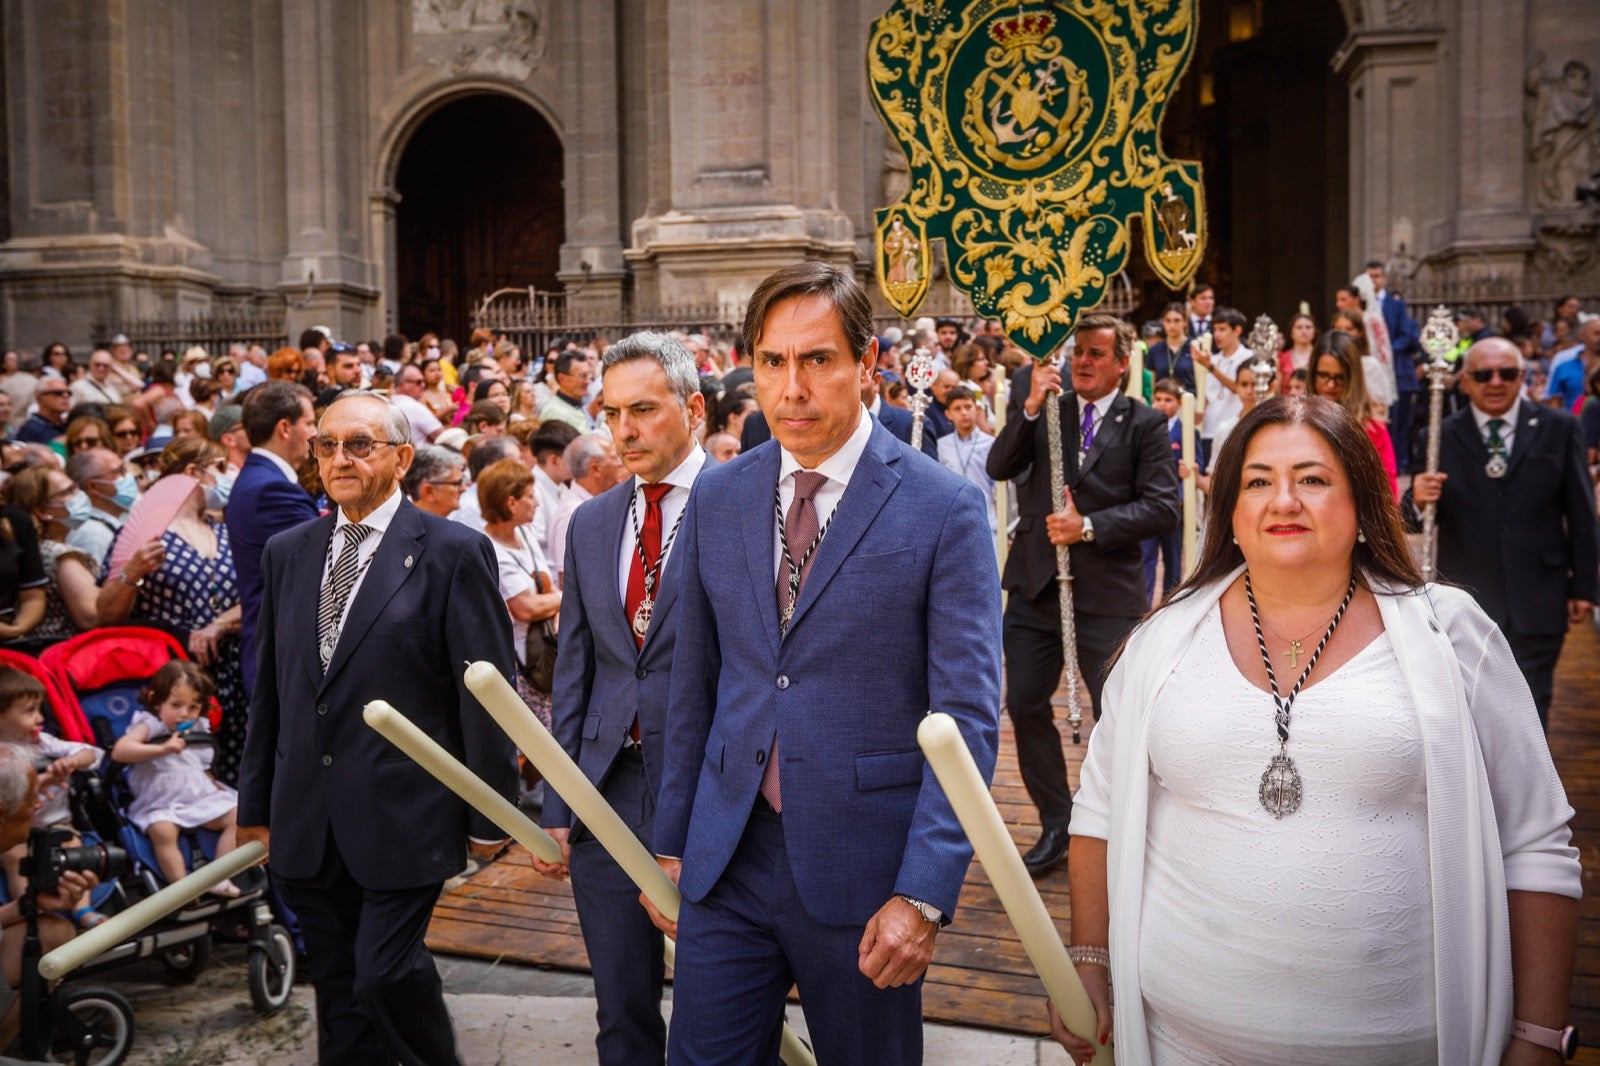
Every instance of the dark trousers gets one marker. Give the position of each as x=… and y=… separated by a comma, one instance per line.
x=1536, y=657
x=741, y=948
x=625, y=950
x=1032, y=639
x=1401, y=413
x=1168, y=548
x=379, y=998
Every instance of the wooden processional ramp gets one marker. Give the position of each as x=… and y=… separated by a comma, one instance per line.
x=980, y=974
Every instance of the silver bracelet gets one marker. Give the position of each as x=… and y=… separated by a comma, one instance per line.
x=1095, y=956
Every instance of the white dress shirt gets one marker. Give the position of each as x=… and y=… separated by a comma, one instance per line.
x=281, y=463
x=1222, y=402
x=378, y=521
x=837, y=468
x=681, y=479
x=1507, y=431
x=549, y=493
x=576, y=494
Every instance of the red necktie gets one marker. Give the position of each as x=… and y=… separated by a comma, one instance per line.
x=650, y=537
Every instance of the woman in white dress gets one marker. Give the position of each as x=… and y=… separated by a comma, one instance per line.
x=1318, y=821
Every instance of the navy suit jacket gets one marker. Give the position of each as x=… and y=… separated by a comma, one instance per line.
x=1405, y=339
x=263, y=503
x=429, y=603
x=1523, y=544
x=899, y=615
x=604, y=679
x=896, y=420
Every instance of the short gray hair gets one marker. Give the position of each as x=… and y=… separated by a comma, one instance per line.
x=582, y=452
x=682, y=377
x=14, y=766
x=432, y=463
x=395, y=420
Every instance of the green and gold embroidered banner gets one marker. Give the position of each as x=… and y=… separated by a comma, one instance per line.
x=1033, y=136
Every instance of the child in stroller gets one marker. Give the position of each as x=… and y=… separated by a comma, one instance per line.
x=172, y=787
x=22, y=723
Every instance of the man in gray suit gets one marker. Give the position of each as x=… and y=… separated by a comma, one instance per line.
x=610, y=698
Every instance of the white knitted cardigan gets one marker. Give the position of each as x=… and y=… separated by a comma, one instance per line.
x=1497, y=813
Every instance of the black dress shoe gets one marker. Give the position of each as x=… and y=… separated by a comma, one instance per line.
x=1050, y=849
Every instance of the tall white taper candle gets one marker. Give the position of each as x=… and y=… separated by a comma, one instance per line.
x=403, y=733
x=591, y=808
x=952, y=764
x=129, y=923
x=1002, y=508
x=1135, y=387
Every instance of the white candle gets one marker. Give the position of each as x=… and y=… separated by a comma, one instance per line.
x=1190, y=500
x=92, y=943
x=591, y=808
x=1203, y=343
x=403, y=733
x=563, y=775
x=952, y=764
x=1135, y=387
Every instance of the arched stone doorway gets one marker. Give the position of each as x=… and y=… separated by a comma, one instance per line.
x=480, y=208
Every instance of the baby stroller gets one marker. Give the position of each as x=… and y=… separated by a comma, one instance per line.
x=85, y=1024
x=102, y=672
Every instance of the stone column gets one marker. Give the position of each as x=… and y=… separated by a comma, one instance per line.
x=752, y=113
x=592, y=268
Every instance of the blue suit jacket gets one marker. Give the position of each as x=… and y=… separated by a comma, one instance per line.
x=1405, y=338
x=603, y=677
x=900, y=614
x=430, y=602
x=262, y=504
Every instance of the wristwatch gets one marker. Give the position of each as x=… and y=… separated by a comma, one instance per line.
x=929, y=912
x=1088, y=530
x=1563, y=1041
x=122, y=576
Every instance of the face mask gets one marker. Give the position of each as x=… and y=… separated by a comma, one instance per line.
x=217, y=495
x=202, y=370
x=78, y=509
x=125, y=493
x=433, y=353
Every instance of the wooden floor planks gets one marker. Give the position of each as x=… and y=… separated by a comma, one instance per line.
x=981, y=976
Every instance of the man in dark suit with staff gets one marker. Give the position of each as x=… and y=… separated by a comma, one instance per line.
x=1122, y=488
x=618, y=629
x=376, y=601
x=1516, y=513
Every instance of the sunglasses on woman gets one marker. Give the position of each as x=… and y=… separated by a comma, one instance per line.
x=1507, y=374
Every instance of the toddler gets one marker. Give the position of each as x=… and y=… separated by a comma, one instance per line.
x=172, y=788
x=22, y=724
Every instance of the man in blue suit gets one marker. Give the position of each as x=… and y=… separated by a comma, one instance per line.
x=267, y=498
x=612, y=673
x=1405, y=340
x=811, y=841
x=377, y=601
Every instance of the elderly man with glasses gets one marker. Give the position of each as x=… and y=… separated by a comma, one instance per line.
x=98, y=385
x=436, y=480
x=54, y=400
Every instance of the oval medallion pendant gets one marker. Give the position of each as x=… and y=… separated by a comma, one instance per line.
x=1496, y=467
x=641, y=618
x=1280, y=786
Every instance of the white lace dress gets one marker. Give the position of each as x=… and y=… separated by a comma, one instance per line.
x=176, y=788
x=1307, y=940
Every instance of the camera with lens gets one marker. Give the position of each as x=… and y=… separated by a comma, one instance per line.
x=49, y=858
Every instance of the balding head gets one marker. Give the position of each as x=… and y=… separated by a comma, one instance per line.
x=1483, y=353
x=1589, y=336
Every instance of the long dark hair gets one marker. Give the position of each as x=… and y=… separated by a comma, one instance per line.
x=1382, y=559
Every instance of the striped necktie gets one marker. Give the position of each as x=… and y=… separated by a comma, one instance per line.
x=336, y=592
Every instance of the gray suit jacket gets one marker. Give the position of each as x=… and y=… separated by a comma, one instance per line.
x=603, y=677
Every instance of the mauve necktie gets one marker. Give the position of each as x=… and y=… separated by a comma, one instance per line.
x=800, y=527
x=1088, y=426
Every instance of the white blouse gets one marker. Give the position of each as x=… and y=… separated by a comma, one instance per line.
x=1307, y=939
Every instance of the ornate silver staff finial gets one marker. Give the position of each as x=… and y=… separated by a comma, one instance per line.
x=1264, y=338
x=1439, y=339
x=920, y=373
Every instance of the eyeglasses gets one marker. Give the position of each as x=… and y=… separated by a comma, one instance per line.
x=85, y=442
x=226, y=370
x=56, y=392
x=355, y=448
x=130, y=434
x=1506, y=374
x=459, y=483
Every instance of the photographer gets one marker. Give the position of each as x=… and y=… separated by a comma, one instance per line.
x=19, y=797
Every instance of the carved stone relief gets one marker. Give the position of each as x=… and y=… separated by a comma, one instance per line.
x=505, y=37
x=1563, y=140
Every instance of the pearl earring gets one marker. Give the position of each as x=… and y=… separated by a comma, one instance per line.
x=1236, y=540
x=1361, y=538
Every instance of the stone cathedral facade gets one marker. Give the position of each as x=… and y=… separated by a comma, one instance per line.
x=374, y=164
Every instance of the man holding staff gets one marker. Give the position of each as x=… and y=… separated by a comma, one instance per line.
x=812, y=843
x=612, y=673
x=1122, y=488
x=378, y=601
